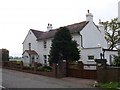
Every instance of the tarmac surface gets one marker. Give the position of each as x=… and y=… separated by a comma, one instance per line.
x=16, y=79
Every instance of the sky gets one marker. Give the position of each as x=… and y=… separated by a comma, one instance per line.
x=17, y=17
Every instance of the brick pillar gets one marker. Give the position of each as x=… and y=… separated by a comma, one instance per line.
x=64, y=69
x=81, y=68
x=21, y=65
x=54, y=70
x=10, y=64
x=3, y=64
x=35, y=66
x=101, y=74
x=101, y=70
x=59, y=70
x=81, y=65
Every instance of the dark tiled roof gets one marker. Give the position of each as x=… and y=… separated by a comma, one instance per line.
x=31, y=52
x=37, y=33
x=77, y=27
x=49, y=34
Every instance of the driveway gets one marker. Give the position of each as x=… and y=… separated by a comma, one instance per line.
x=16, y=79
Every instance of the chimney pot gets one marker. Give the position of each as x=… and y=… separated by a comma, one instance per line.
x=88, y=11
x=49, y=27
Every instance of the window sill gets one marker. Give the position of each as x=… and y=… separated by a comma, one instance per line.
x=91, y=61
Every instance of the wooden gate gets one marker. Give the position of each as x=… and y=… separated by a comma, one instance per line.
x=77, y=70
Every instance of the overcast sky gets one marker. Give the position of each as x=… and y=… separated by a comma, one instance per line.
x=18, y=16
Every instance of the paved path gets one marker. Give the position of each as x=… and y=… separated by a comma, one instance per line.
x=16, y=79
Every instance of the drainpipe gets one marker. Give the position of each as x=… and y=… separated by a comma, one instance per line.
x=30, y=60
x=81, y=39
x=103, y=54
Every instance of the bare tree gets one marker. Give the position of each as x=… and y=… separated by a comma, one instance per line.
x=111, y=33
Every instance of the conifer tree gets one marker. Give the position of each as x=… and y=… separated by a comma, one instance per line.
x=63, y=46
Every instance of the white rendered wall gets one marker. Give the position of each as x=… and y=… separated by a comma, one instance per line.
x=90, y=52
x=44, y=51
x=107, y=55
x=92, y=36
x=26, y=59
x=119, y=11
x=30, y=38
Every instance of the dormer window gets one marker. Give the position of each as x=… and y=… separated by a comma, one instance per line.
x=44, y=44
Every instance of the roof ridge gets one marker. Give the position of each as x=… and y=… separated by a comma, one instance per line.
x=36, y=30
x=73, y=28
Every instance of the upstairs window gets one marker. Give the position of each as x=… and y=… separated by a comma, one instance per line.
x=29, y=45
x=44, y=44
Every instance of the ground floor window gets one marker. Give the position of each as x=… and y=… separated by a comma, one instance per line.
x=91, y=57
x=45, y=59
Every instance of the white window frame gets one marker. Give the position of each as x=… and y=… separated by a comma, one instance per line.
x=29, y=46
x=45, y=44
x=91, y=59
x=45, y=59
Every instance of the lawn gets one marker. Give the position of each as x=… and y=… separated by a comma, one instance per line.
x=114, y=85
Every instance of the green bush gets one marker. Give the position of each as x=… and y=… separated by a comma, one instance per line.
x=18, y=62
x=44, y=68
x=28, y=68
x=39, y=64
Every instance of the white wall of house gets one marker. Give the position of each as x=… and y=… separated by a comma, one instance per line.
x=92, y=36
x=90, y=52
x=30, y=38
x=26, y=59
x=44, y=51
x=119, y=11
x=96, y=53
x=109, y=55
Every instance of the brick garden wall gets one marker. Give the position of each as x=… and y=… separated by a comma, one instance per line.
x=57, y=70
x=19, y=67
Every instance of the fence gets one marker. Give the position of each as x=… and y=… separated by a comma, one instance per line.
x=77, y=70
x=108, y=74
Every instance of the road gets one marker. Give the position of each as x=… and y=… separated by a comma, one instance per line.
x=16, y=79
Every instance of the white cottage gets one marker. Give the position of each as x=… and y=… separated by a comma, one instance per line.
x=88, y=35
